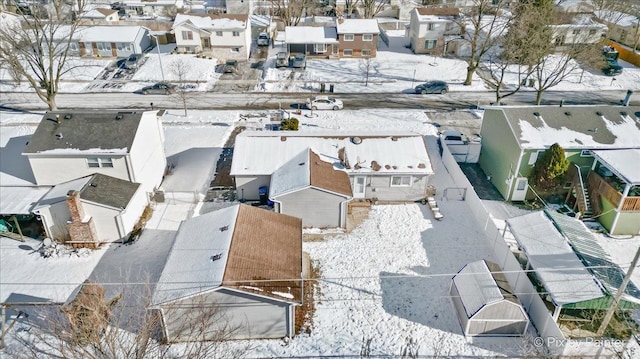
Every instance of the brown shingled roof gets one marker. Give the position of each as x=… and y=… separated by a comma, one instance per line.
x=106, y=12
x=323, y=175
x=265, y=246
x=438, y=11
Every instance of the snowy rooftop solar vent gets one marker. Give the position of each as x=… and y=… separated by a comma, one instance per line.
x=568, y=113
x=118, y=117
x=222, y=229
x=598, y=113
x=356, y=140
x=537, y=114
x=216, y=257
x=68, y=116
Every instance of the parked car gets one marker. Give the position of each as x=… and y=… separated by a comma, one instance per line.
x=263, y=39
x=440, y=87
x=282, y=59
x=324, y=103
x=231, y=66
x=300, y=61
x=133, y=61
x=161, y=88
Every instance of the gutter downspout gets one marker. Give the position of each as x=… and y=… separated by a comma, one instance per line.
x=516, y=173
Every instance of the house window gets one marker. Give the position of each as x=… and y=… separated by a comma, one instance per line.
x=586, y=153
x=187, y=35
x=348, y=37
x=236, y=33
x=73, y=46
x=366, y=53
x=576, y=32
x=96, y=162
x=103, y=46
x=123, y=46
x=235, y=49
x=367, y=37
x=534, y=157
x=218, y=33
x=400, y=181
x=348, y=52
x=431, y=26
x=430, y=44
x=320, y=47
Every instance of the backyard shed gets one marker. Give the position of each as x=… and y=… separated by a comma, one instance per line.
x=486, y=303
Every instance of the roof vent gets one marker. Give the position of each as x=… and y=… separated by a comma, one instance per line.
x=216, y=257
x=537, y=114
x=224, y=228
x=594, y=130
x=356, y=140
x=283, y=138
x=568, y=113
x=118, y=117
x=68, y=116
x=59, y=135
x=623, y=113
x=598, y=113
x=394, y=138
x=93, y=184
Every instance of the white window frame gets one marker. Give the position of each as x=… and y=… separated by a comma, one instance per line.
x=534, y=157
x=348, y=37
x=367, y=37
x=100, y=162
x=434, y=42
x=103, y=46
x=219, y=33
x=403, y=181
x=123, y=46
x=235, y=33
x=431, y=26
x=320, y=47
x=344, y=52
x=187, y=35
x=586, y=153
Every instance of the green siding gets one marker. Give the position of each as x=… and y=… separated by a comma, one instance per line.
x=601, y=303
x=500, y=150
x=608, y=214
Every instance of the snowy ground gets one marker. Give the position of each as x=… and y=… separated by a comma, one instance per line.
x=386, y=281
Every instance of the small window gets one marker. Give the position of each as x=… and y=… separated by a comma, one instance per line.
x=96, y=162
x=367, y=37
x=348, y=52
x=106, y=162
x=366, y=53
x=431, y=26
x=348, y=37
x=430, y=44
x=400, y=181
x=235, y=49
x=586, y=153
x=73, y=46
x=236, y=33
x=320, y=47
x=187, y=35
x=218, y=33
x=534, y=157
x=93, y=162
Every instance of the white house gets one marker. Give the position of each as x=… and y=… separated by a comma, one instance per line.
x=623, y=28
x=101, y=15
x=224, y=36
x=431, y=30
x=153, y=8
x=105, y=40
x=8, y=22
x=383, y=166
x=71, y=144
x=578, y=30
x=245, y=264
x=91, y=210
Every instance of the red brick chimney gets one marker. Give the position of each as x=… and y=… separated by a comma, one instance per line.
x=82, y=230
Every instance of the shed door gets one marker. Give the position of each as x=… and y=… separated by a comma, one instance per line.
x=359, y=184
x=520, y=192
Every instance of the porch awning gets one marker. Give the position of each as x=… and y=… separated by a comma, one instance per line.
x=624, y=163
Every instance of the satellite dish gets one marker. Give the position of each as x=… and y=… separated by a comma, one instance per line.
x=47, y=242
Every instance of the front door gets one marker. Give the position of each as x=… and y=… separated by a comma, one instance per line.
x=359, y=185
x=520, y=192
x=207, y=43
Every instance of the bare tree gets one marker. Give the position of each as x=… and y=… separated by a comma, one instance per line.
x=349, y=7
x=93, y=327
x=290, y=11
x=371, y=8
x=482, y=28
x=180, y=69
x=38, y=49
x=367, y=65
x=499, y=66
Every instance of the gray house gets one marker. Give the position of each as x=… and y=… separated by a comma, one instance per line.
x=235, y=273
x=311, y=188
x=380, y=166
x=106, y=40
x=486, y=303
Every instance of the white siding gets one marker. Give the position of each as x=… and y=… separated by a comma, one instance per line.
x=182, y=43
x=148, y=160
x=380, y=187
x=55, y=218
x=250, y=316
x=105, y=221
x=316, y=208
x=49, y=171
x=247, y=186
x=134, y=210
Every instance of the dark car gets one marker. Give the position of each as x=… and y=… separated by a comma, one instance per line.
x=440, y=87
x=300, y=61
x=133, y=61
x=161, y=88
x=230, y=66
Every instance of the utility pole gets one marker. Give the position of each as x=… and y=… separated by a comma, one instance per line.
x=616, y=299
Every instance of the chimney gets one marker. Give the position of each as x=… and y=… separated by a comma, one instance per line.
x=75, y=206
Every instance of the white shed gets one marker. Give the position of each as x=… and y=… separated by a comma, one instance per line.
x=485, y=302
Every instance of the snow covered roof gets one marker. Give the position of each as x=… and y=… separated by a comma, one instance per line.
x=625, y=163
x=20, y=200
x=262, y=153
x=309, y=169
x=620, y=19
x=477, y=286
x=575, y=5
x=556, y=265
x=58, y=193
x=108, y=33
x=573, y=127
x=436, y=14
x=87, y=131
x=231, y=247
x=358, y=26
x=98, y=13
x=213, y=22
x=310, y=35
